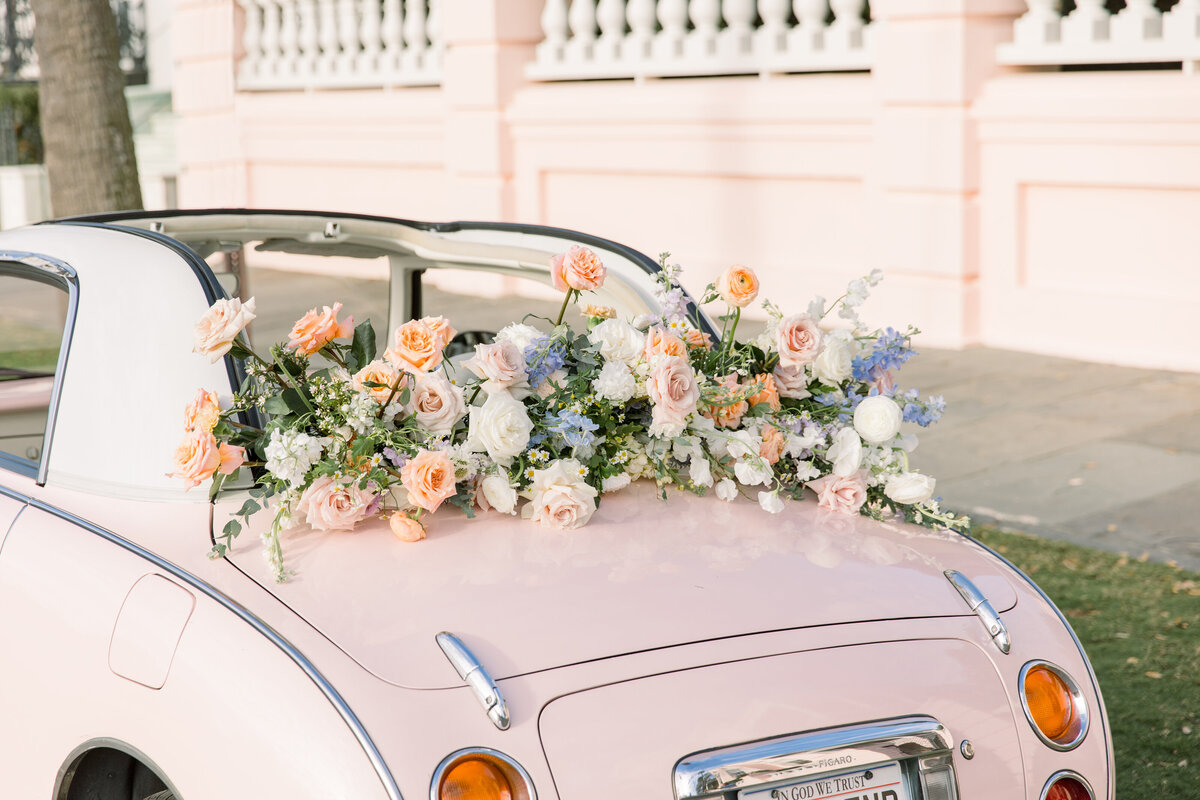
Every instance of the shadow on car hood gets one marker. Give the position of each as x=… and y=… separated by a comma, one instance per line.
x=643, y=574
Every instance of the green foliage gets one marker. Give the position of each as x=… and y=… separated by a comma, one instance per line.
x=363, y=348
x=21, y=134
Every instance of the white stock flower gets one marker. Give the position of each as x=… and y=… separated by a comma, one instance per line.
x=618, y=340
x=500, y=494
x=361, y=412
x=909, y=487
x=877, y=419
x=845, y=453
x=519, y=334
x=834, y=364
x=500, y=427
x=615, y=382
x=726, y=490
x=290, y=454
x=770, y=502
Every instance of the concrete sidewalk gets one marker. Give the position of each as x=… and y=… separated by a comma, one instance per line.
x=1106, y=457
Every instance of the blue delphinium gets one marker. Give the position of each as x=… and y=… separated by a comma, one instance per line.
x=891, y=351
x=924, y=413
x=574, y=428
x=542, y=357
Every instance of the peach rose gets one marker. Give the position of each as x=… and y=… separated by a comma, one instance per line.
x=329, y=504
x=441, y=328
x=592, y=311
x=318, y=328
x=415, y=348
x=578, y=268
x=203, y=412
x=231, y=457
x=437, y=403
x=727, y=414
x=843, y=495
x=661, y=342
x=214, y=334
x=429, y=478
x=798, y=340
x=406, y=528
x=196, y=458
x=381, y=372
x=767, y=392
x=791, y=381
x=738, y=286
x=674, y=393
x=698, y=338
x=773, y=443
x=501, y=364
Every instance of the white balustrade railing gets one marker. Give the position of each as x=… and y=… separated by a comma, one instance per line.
x=1091, y=34
x=658, y=38
x=330, y=44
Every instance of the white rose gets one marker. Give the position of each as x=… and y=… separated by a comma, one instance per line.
x=909, y=487
x=519, y=334
x=559, y=497
x=770, y=502
x=700, y=471
x=845, y=453
x=618, y=340
x=726, y=490
x=500, y=494
x=214, y=334
x=834, y=364
x=616, y=482
x=753, y=470
x=437, y=403
x=615, y=382
x=877, y=419
x=500, y=427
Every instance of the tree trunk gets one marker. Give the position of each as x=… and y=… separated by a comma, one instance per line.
x=85, y=122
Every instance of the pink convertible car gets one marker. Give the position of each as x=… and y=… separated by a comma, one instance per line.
x=689, y=649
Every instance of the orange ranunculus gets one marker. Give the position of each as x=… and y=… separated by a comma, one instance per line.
x=415, y=348
x=317, y=328
x=661, y=342
x=429, y=479
x=578, y=268
x=698, y=338
x=203, y=412
x=727, y=414
x=196, y=458
x=767, y=392
x=773, y=443
x=738, y=286
x=406, y=528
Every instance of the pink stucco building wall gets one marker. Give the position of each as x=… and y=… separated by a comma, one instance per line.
x=1009, y=204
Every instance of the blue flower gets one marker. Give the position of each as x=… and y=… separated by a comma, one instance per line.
x=923, y=413
x=891, y=351
x=574, y=428
x=542, y=357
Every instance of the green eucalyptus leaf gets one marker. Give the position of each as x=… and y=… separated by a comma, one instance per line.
x=277, y=406
x=248, y=508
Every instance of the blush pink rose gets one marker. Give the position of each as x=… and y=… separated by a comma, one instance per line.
x=791, y=381
x=197, y=457
x=318, y=328
x=437, y=403
x=214, y=334
x=501, y=365
x=405, y=528
x=203, y=412
x=416, y=347
x=674, y=393
x=578, y=268
x=333, y=505
x=429, y=479
x=798, y=340
x=843, y=495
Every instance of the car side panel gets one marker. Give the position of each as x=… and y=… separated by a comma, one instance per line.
x=232, y=704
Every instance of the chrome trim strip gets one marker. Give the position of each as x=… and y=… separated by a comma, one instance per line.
x=461, y=755
x=1078, y=702
x=982, y=608
x=288, y=649
x=1066, y=773
x=470, y=670
x=1110, y=771
x=64, y=275
x=714, y=772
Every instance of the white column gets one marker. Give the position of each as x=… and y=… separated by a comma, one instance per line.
x=289, y=39
x=846, y=32
x=252, y=62
x=327, y=36
x=393, y=38
x=414, y=35
x=554, y=32
x=307, y=40
x=370, y=33
x=270, y=39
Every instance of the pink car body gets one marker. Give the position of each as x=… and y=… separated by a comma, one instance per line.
x=681, y=649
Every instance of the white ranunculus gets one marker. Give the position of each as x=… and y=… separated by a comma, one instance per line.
x=770, y=502
x=877, y=419
x=909, y=487
x=700, y=471
x=726, y=490
x=615, y=382
x=753, y=470
x=845, y=453
x=500, y=494
x=618, y=340
x=519, y=334
x=500, y=427
x=834, y=364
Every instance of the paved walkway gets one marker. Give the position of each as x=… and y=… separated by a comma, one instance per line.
x=1107, y=457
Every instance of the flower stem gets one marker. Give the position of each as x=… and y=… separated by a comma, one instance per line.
x=395, y=388
x=562, y=311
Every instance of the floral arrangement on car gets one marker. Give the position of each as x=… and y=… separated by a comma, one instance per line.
x=559, y=418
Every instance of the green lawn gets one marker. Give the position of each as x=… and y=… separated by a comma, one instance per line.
x=1140, y=624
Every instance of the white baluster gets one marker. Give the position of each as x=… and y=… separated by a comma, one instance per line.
x=1182, y=23
x=327, y=36
x=640, y=16
x=1139, y=21
x=370, y=33
x=433, y=29
x=393, y=38
x=846, y=32
x=772, y=36
x=809, y=35
x=673, y=17
x=270, y=39
x=610, y=15
x=252, y=40
x=414, y=35
x=1040, y=24
x=307, y=40
x=554, y=32
x=736, y=40
x=289, y=39
x=1087, y=24
x=348, y=42
x=582, y=18
x=702, y=40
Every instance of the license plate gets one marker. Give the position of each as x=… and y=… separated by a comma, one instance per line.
x=883, y=782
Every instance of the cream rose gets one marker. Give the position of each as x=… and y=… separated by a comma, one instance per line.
x=845, y=452
x=428, y=477
x=908, y=488
x=500, y=364
x=877, y=419
x=798, y=340
x=214, y=334
x=520, y=334
x=437, y=403
x=500, y=494
x=578, y=268
x=834, y=363
x=560, y=498
x=618, y=340
x=674, y=393
x=333, y=505
x=738, y=286
x=317, y=328
x=843, y=494
x=500, y=427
